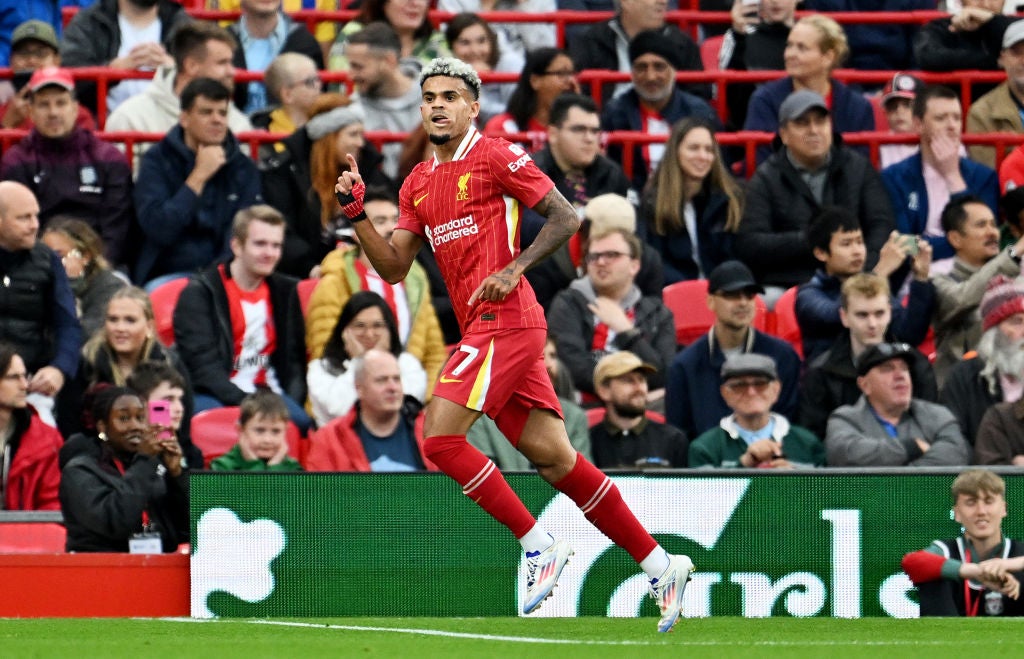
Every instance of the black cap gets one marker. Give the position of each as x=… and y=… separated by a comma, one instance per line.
x=653, y=41
x=883, y=352
x=731, y=276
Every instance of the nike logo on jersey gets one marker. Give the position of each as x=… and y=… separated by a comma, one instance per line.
x=445, y=380
x=416, y=202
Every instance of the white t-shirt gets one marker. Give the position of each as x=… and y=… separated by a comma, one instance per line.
x=132, y=36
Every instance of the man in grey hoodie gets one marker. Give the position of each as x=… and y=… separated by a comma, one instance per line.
x=604, y=312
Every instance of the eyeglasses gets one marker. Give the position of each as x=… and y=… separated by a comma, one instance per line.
x=595, y=257
x=362, y=327
x=739, y=386
x=584, y=130
x=560, y=74
x=313, y=82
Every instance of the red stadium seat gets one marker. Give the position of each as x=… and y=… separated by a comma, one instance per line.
x=164, y=299
x=709, y=51
x=786, y=326
x=687, y=300
x=32, y=538
x=305, y=290
x=214, y=432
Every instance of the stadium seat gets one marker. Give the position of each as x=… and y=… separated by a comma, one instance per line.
x=786, y=326
x=881, y=121
x=709, y=51
x=32, y=538
x=214, y=432
x=305, y=290
x=687, y=300
x=164, y=299
x=595, y=415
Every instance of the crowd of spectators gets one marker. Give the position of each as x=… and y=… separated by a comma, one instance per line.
x=875, y=262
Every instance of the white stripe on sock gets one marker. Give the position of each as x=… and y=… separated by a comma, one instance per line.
x=478, y=480
x=596, y=499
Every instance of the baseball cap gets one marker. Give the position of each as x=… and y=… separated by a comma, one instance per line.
x=799, y=103
x=902, y=85
x=51, y=75
x=731, y=276
x=618, y=364
x=37, y=30
x=749, y=363
x=1013, y=34
x=883, y=352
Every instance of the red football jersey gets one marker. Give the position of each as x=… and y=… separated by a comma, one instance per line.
x=468, y=211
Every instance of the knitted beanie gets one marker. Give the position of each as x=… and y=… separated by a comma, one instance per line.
x=1003, y=298
x=653, y=41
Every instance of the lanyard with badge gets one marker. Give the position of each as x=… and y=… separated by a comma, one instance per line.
x=993, y=599
x=148, y=541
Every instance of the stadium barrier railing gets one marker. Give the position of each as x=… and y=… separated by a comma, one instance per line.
x=747, y=140
x=963, y=81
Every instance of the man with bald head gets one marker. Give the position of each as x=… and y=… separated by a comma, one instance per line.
x=382, y=432
x=37, y=306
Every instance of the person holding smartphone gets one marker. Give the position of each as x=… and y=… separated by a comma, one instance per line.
x=130, y=492
x=756, y=41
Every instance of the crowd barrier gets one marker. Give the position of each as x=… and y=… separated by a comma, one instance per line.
x=748, y=141
x=963, y=81
x=814, y=543
x=805, y=543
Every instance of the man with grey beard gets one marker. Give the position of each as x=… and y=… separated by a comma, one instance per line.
x=996, y=374
x=653, y=103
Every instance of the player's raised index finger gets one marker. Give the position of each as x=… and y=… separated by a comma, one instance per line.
x=353, y=165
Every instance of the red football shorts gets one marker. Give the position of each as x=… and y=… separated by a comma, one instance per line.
x=501, y=374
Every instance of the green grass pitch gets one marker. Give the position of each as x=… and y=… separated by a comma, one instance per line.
x=511, y=637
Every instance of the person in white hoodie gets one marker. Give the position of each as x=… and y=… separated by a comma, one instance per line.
x=200, y=49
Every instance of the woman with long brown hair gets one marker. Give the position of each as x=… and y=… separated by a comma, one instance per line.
x=299, y=181
x=691, y=205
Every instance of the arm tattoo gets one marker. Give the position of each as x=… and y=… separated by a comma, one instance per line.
x=562, y=223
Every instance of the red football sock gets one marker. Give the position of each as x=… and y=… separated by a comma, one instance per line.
x=480, y=479
x=602, y=504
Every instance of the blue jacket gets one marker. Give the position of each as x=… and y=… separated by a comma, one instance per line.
x=905, y=183
x=183, y=232
x=851, y=112
x=623, y=113
x=693, y=402
x=678, y=259
x=817, y=312
x=887, y=47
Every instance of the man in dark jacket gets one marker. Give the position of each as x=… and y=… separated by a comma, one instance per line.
x=838, y=243
x=693, y=398
x=238, y=325
x=604, y=311
x=190, y=186
x=831, y=378
x=810, y=170
x=263, y=33
x=604, y=46
x=95, y=35
x=626, y=438
x=70, y=170
x=653, y=103
x=969, y=40
x=37, y=307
